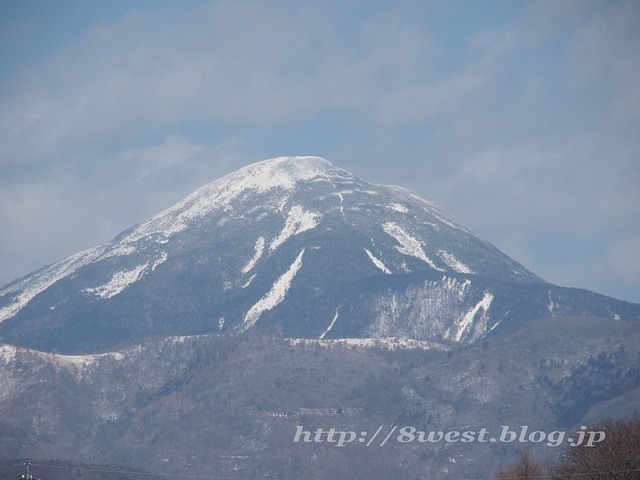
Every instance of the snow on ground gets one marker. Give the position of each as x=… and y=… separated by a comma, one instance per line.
x=453, y=262
x=330, y=325
x=43, y=279
x=40, y=281
x=275, y=295
x=421, y=311
x=398, y=208
x=282, y=173
x=388, y=343
x=377, y=262
x=408, y=244
x=7, y=353
x=298, y=221
x=248, y=282
x=160, y=260
x=465, y=324
x=256, y=256
x=69, y=362
x=118, y=282
x=120, y=250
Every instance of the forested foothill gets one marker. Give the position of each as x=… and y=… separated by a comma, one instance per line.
x=222, y=405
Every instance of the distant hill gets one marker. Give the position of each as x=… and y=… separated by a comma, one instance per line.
x=228, y=406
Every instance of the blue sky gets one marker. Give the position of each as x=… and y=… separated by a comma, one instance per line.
x=522, y=119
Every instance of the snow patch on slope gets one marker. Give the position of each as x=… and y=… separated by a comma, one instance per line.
x=398, y=208
x=275, y=295
x=259, y=249
x=464, y=325
x=453, y=262
x=40, y=281
x=298, y=221
x=120, y=250
x=248, y=282
x=118, y=282
x=408, y=244
x=162, y=259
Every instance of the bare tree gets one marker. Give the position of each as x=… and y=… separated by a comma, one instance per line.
x=524, y=467
x=617, y=457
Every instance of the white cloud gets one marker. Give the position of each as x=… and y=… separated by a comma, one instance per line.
x=228, y=62
x=174, y=150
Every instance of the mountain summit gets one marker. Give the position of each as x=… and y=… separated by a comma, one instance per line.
x=293, y=247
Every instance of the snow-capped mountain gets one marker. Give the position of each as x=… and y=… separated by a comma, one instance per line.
x=293, y=247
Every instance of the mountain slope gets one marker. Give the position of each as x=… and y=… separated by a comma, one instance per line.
x=294, y=247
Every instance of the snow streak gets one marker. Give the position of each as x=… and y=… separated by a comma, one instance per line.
x=463, y=326
x=408, y=244
x=330, y=325
x=275, y=295
x=118, y=282
x=453, y=262
x=162, y=259
x=298, y=221
x=377, y=262
x=256, y=256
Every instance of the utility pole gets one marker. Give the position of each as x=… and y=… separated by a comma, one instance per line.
x=27, y=475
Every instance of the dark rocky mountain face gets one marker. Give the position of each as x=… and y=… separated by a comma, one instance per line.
x=290, y=247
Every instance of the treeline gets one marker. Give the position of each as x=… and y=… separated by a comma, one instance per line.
x=617, y=457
